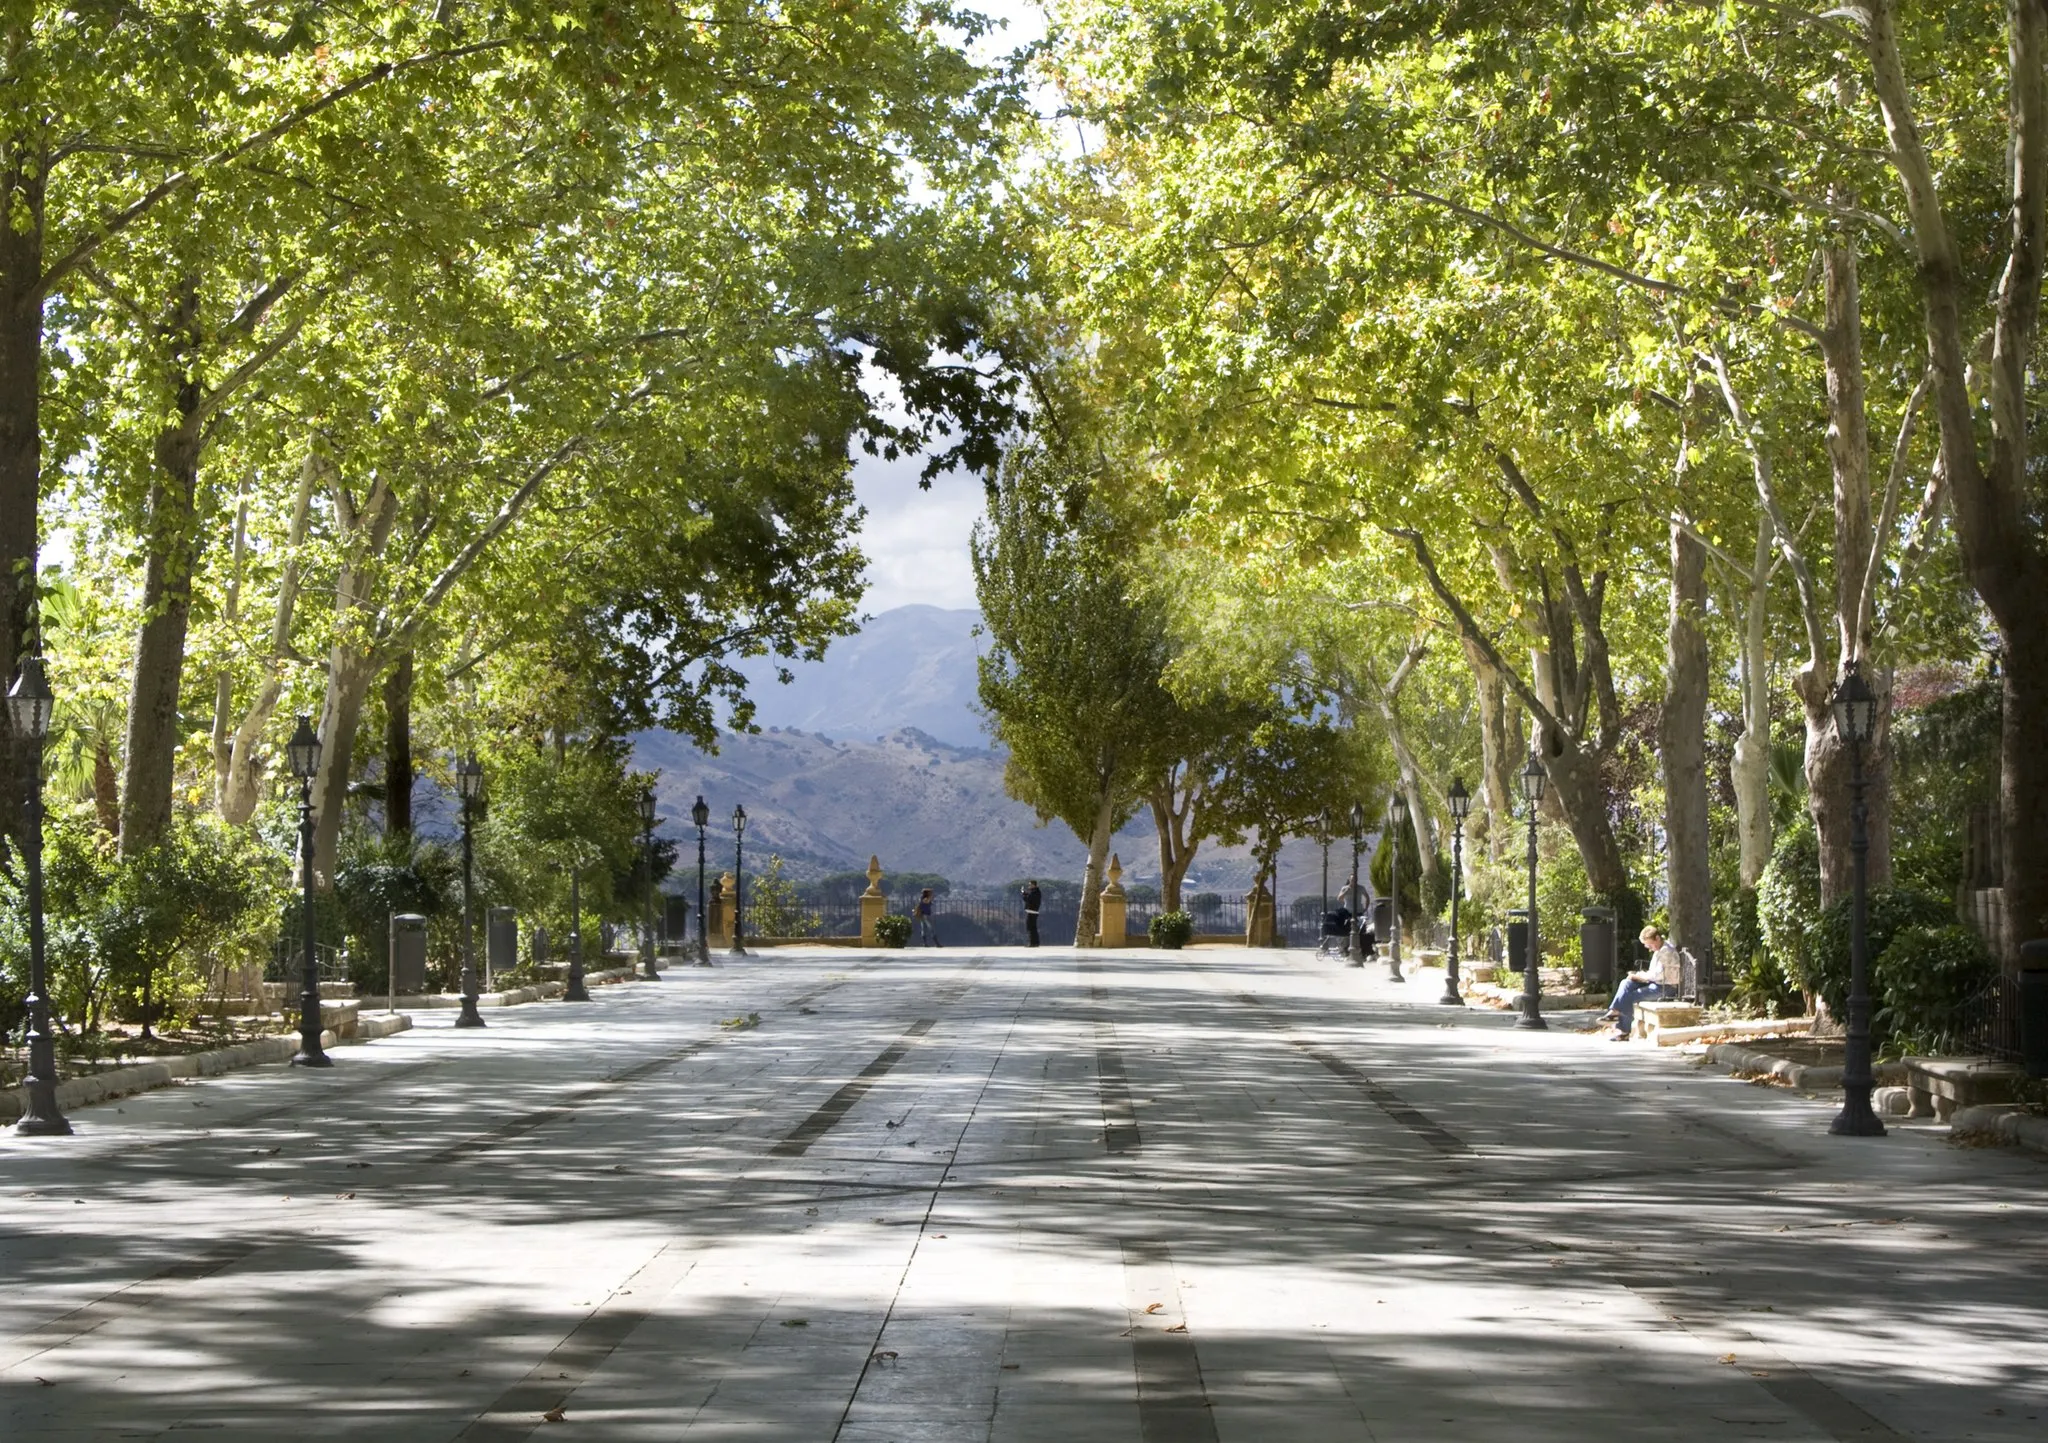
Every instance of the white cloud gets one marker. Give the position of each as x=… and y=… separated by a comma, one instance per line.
x=916, y=540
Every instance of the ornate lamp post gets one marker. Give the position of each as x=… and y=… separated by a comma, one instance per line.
x=647, y=972
x=1533, y=778
x=29, y=708
x=1461, y=805
x=739, y=881
x=1397, y=821
x=575, y=989
x=303, y=752
x=1356, y=944
x=469, y=783
x=700, y=814
x=1855, y=710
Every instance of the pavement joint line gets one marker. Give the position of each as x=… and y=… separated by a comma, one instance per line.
x=829, y=1114
x=925, y=1219
x=1378, y=1093
x=532, y=1121
x=553, y=1381
x=1783, y=1156
x=90, y=1317
x=1173, y=1399
x=1119, y=1114
x=1790, y=1384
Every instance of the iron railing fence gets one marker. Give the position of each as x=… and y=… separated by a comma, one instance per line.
x=1986, y=1024
x=286, y=961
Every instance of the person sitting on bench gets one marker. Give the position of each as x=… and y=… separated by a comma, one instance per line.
x=1658, y=977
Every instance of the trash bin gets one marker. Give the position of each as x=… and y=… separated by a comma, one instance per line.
x=675, y=923
x=1596, y=949
x=2034, y=1007
x=1383, y=918
x=408, y=957
x=501, y=942
x=1518, y=940
x=539, y=946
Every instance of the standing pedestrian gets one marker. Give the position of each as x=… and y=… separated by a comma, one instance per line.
x=1033, y=900
x=926, y=932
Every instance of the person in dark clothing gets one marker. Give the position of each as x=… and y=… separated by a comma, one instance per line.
x=927, y=931
x=1033, y=900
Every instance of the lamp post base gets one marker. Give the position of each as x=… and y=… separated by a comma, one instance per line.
x=470, y=1016
x=313, y=1056
x=1856, y=1119
x=42, y=1119
x=1450, y=997
x=1394, y=969
x=1532, y=1022
x=647, y=972
x=576, y=991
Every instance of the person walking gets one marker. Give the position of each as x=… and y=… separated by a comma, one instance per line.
x=926, y=932
x=1033, y=900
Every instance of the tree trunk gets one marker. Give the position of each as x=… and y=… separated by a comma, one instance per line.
x=1582, y=797
x=21, y=359
x=1682, y=750
x=398, y=772
x=224, y=680
x=1750, y=771
x=1176, y=852
x=244, y=788
x=106, y=788
x=350, y=675
x=1090, y=920
x=1827, y=760
x=1499, y=747
x=2023, y=784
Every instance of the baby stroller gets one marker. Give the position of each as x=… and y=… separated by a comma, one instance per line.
x=1336, y=937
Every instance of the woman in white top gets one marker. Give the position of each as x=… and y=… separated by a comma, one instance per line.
x=1656, y=978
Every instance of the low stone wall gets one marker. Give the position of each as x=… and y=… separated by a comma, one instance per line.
x=119, y=1082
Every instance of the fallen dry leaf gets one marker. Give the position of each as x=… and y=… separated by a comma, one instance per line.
x=1154, y=1307
x=1178, y=1328
x=1727, y=1357
x=553, y=1415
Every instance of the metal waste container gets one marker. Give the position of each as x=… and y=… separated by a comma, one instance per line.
x=1518, y=940
x=1596, y=949
x=1383, y=918
x=675, y=917
x=501, y=942
x=408, y=958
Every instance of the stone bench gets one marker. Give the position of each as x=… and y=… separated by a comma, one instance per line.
x=1652, y=1017
x=1937, y=1086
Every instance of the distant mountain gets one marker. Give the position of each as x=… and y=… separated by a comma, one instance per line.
x=918, y=803
x=912, y=666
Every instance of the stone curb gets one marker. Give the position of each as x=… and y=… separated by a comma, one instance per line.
x=2004, y=1122
x=137, y=1077
x=1742, y=1061
x=428, y=1001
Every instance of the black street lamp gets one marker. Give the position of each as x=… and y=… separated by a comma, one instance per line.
x=1356, y=943
x=469, y=782
x=701, y=815
x=1855, y=710
x=1533, y=778
x=29, y=707
x=647, y=972
x=303, y=752
x=739, y=881
x=576, y=989
x=1397, y=821
x=1461, y=806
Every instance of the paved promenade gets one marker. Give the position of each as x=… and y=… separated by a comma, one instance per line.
x=1129, y=1197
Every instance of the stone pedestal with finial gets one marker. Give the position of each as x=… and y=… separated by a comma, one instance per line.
x=724, y=893
x=1109, y=930
x=873, y=905
x=1258, y=916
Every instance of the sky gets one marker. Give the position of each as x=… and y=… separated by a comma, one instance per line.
x=916, y=541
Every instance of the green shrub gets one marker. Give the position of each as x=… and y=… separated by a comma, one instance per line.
x=775, y=905
x=1891, y=911
x=1757, y=986
x=1927, y=977
x=378, y=878
x=1788, y=903
x=892, y=929
x=1171, y=930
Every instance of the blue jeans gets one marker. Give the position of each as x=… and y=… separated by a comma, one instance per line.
x=927, y=933
x=1628, y=995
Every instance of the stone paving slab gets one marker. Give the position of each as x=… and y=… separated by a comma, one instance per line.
x=1134, y=1197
